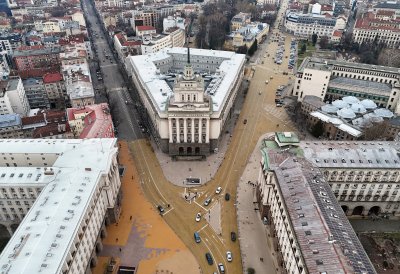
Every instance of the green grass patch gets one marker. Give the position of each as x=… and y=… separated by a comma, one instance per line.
x=309, y=51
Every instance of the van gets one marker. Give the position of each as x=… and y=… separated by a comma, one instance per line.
x=197, y=237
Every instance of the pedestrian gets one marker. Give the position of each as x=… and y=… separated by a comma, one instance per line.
x=132, y=177
x=130, y=218
x=120, y=249
x=116, y=239
x=168, y=205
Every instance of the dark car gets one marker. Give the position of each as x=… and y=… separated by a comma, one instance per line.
x=227, y=196
x=233, y=236
x=160, y=208
x=245, y=121
x=209, y=258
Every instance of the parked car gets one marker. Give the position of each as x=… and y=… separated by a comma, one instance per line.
x=218, y=190
x=227, y=196
x=207, y=201
x=233, y=236
x=209, y=258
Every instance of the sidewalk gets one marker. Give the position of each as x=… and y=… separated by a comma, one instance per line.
x=141, y=238
x=254, y=241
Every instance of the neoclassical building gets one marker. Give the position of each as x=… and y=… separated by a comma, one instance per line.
x=188, y=96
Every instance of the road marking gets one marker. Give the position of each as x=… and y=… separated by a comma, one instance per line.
x=211, y=253
x=106, y=66
x=216, y=246
x=205, y=209
x=168, y=211
x=202, y=227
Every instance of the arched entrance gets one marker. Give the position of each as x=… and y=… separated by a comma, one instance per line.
x=345, y=209
x=375, y=210
x=358, y=210
x=189, y=150
x=197, y=150
x=181, y=150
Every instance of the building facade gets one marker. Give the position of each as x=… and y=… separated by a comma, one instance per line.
x=49, y=190
x=310, y=231
x=330, y=79
x=13, y=98
x=191, y=123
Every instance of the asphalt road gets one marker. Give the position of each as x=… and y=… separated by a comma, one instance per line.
x=125, y=116
x=263, y=116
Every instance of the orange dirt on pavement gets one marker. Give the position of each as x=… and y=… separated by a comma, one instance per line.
x=167, y=251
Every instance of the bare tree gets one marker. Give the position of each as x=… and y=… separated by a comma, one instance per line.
x=376, y=131
x=389, y=57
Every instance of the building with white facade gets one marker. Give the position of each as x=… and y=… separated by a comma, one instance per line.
x=11, y=126
x=310, y=231
x=157, y=42
x=305, y=25
x=247, y=34
x=331, y=79
x=62, y=193
x=173, y=22
x=369, y=29
x=188, y=112
x=13, y=98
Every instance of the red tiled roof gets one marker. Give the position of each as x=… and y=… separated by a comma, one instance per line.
x=143, y=28
x=377, y=24
x=97, y=122
x=326, y=8
x=337, y=33
x=385, y=12
x=31, y=120
x=52, y=77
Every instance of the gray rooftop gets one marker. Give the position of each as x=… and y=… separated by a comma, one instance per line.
x=327, y=64
x=361, y=85
x=41, y=51
x=350, y=154
x=10, y=120
x=326, y=239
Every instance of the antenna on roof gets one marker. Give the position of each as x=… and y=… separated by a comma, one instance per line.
x=188, y=54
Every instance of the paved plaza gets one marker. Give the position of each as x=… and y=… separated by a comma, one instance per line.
x=141, y=238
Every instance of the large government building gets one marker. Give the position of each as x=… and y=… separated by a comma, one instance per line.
x=188, y=96
x=331, y=79
x=306, y=190
x=60, y=194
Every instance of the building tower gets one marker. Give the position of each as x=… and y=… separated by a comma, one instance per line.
x=189, y=114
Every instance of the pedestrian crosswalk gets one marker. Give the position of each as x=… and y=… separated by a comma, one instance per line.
x=279, y=113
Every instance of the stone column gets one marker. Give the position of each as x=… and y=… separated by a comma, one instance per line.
x=178, y=133
x=170, y=130
x=200, y=129
x=207, y=130
x=185, y=130
x=192, y=130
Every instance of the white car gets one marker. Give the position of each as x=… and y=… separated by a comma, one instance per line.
x=198, y=217
x=229, y=256
x=218, y=191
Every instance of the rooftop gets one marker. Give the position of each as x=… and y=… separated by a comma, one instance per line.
x=40, y=242
x=328, y=243
x=228, y=71
x=351, y=154
x=97, y=120
x=363, y=86
x=327, y=64
x=10, y=120
x=36, y=50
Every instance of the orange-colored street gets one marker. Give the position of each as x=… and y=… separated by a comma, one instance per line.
x=141, y=238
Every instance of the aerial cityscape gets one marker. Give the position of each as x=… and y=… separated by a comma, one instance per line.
x=200, y=136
